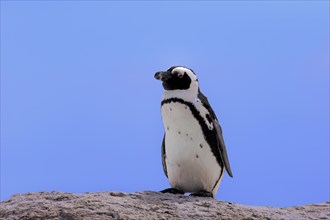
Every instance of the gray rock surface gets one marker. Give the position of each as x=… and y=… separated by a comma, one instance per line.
x=144, y=205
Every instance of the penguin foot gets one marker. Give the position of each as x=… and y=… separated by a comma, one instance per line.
x=202, y=194
x=172, y=190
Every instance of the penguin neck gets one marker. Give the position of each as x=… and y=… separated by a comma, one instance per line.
x=189, y=95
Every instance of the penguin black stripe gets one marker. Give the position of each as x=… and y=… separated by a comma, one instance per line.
x=216, y=183
x=209, y=135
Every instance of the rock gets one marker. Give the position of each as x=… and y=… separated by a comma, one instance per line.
x=143, y=205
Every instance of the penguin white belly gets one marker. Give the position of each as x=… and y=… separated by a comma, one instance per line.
x=191, y=165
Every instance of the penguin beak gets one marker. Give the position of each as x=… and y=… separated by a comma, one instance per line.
x=163, y=75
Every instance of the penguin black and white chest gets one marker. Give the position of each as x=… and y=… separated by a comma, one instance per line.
x=194, y=154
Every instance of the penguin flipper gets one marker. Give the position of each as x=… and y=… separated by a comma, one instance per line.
x=222, y=148
x=164, y=157
x=221, y=143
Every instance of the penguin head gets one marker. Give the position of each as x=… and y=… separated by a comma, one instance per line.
x=178, y=78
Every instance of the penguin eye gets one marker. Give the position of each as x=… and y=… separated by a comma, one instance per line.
x=180, y=75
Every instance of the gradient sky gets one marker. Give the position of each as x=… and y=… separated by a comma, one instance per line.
x=80, y=109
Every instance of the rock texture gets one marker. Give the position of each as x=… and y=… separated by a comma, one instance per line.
x=143, y=205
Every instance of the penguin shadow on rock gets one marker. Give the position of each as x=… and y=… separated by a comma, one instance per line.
x=194, y=154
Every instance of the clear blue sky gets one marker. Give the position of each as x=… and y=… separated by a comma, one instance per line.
x=80, y=109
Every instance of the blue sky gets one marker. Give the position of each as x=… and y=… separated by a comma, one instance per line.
x=80, y=109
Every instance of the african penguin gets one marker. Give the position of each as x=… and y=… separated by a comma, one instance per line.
x=194, y=154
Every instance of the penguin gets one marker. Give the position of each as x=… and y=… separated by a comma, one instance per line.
x=194, y=155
